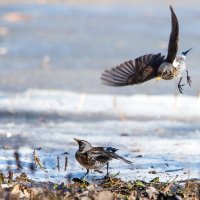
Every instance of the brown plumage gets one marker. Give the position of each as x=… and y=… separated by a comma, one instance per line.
x=95, y=157
x=173, y=40
x=148, y=66
x=136, y=71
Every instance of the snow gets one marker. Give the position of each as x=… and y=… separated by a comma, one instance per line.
x=164, y=130
x=132, y=106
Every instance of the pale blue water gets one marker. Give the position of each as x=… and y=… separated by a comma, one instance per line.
x=82, y=41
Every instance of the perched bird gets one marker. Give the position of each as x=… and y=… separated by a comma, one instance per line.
x=95, y=157
x=150, y=66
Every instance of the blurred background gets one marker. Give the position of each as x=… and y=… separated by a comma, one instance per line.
x=67, y=44
x=52, y=54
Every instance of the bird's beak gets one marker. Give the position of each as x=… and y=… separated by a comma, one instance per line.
x=186, y=52
x=77, y=140
x=158, y=78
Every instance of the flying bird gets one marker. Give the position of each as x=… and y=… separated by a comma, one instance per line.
x=151, y=66
x=95, y=157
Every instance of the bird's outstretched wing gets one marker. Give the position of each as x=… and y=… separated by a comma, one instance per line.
x=135, y=71
x=173, y=40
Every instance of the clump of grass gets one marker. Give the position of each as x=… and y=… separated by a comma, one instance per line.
x=22, y=187
x=108, y=188
x=153, y=190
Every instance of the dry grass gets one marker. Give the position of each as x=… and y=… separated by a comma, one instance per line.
x=21, y=187
x=110, y=188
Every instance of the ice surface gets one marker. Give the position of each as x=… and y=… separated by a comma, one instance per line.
x=157, y=133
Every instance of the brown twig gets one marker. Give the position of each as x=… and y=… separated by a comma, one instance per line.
x=17, y=160
x=66, y=162
x=58, y=163
x=170, y=184
x=37, y=161
x=10, y=176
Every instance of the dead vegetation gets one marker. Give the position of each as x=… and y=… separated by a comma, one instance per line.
x=13, y=186
x=109, y=188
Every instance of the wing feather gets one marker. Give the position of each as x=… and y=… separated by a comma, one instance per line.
x=173, y=40
x=132, y=72
x=99, y=153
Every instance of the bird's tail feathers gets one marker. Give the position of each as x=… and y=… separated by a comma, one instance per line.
x=116, y=156
x=125, y=160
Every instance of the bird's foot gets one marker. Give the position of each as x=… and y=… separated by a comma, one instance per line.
x=188, y=79
x=107, y=176
x=96, y=170
x=85, y=174
x=180, y=86
x=83, y=177
x=103, y=178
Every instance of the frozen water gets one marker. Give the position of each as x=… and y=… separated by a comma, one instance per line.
x=160, y=134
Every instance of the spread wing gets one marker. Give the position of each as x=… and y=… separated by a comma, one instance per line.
x=135, y=71
x=173, y=40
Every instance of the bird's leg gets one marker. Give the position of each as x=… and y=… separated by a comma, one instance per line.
x=86, y=174
x=96, y=170
x=180, y=85
x=107, y=173
x=188, y=79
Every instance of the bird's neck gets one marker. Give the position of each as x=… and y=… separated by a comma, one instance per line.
x=84, y=149
x=179, y=61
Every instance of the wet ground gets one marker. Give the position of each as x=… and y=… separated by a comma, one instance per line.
x=162, y=139
x=66, y=47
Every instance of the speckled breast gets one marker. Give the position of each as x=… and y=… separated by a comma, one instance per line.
x=169, y=75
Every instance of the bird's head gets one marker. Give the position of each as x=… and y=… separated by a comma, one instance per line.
x=83, y=145
x=184, y=53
